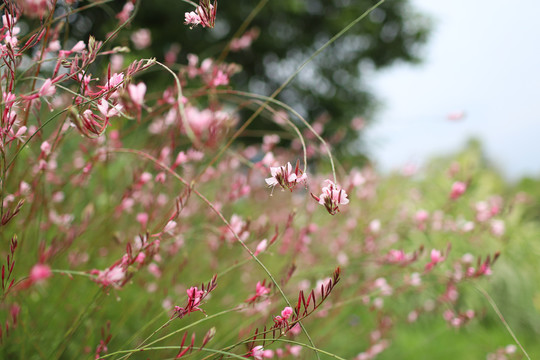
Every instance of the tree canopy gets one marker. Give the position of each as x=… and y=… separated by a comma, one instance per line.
x=290, y=31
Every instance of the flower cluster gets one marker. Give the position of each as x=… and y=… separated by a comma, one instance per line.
x=205, y=14
x=282, y=321
x=285, y=177
x=332, y=196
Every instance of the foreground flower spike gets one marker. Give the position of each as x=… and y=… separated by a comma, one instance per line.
x=285, y=177
x=332, y=196
x=205, y=15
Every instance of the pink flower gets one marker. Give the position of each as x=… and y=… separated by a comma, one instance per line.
x=103, y=107
x=261, y=247
x=238, y=227
x=396, y=256
x=260, y=290
x=205, y=15
x=47, y=89
x=78, y=47
x=113, y=276
x=287, y=312
x=124, y=15
x=436, y=257
x=191, y=18
x=195, y=297
x=282, y=321
x=332, y=196
x=497, y=227
x=40, y=272
x=141, y=38
x=218, y=78
x=257, y=352
x=245, y=40
x=114, y=81
x=285, y=177
x=136, y=93
x=458, y=188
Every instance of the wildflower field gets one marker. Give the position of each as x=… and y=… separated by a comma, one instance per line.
x=145, y=219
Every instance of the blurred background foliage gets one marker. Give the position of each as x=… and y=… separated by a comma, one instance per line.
x=333, y=85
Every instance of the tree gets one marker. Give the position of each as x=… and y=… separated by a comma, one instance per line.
x=290, y=31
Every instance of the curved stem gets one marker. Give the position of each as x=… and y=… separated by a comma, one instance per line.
x=181, y=109
x=501, y=317
x=129, y=352
x=287, y=82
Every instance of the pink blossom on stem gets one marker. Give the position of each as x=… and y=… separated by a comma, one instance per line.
x=332, y=196
x=192, y=18
x=436, y=257
x=142, y=218
x=245, y=40
x=458, y=189
x=285, y=177
x=396, y=256
x=218, y=78
x=137, y=92
x=141, y=38
x=194, y=300
x=257, y=352
x=45, y=148
x=261, y=247
x=40, y=272
x=113, y=276
x=124, y=15
x=497, y=227
x=103, y=107
x=282, y=321
x=420, y=218
x=47, y=89
x=260, y=291
x=79, y=46
x=205, y=15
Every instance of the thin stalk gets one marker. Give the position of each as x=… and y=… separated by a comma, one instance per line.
x=181, y=109
x=209, y=317
x=306, y=346
x=242, y=28
x=176, y=348
x=61, y=347
x=287, y=82
x=501, y=317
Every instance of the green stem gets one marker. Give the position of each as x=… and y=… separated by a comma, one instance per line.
x=287, y=82
x=147, y=347
x=242, y=28
x=61, y=347
x=501, y=317
x=307, y=346
x=175, y=348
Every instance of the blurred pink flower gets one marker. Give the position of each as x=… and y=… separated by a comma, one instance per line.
x=141, y=38
x=257, y=352
x=137, y=92
x=458, y=188
x=436, y=257
x=40, y=272
x=261, y=247
x=47, y=89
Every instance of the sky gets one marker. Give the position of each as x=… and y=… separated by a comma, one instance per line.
x=483, y=59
